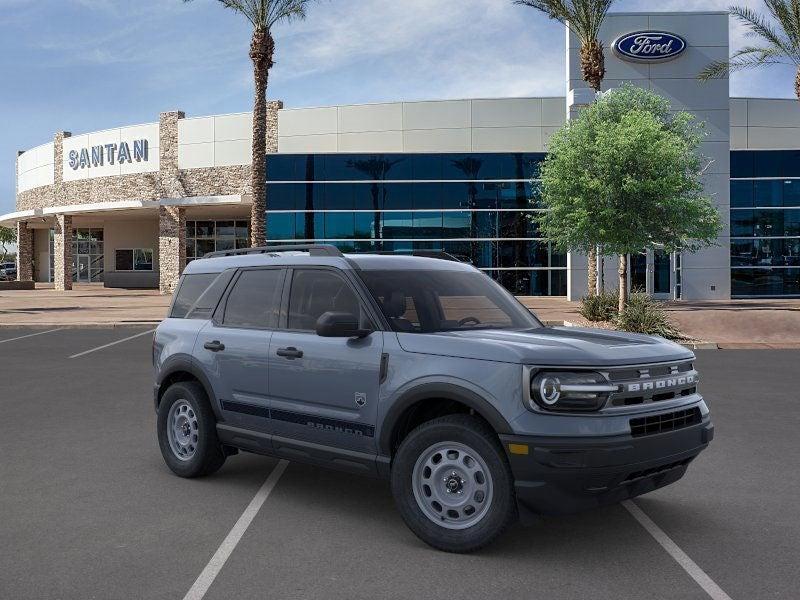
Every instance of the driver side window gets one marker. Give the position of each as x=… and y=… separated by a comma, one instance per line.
x=316, y=291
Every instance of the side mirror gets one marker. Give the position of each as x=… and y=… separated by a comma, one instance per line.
x=338, y=324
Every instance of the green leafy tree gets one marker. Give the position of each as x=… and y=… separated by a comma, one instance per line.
x=263, y=15
x=626, y=175
x=8, y=236
x=584, y=19
x=778, y=40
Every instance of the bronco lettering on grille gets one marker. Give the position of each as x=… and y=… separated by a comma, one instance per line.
x=661, y=384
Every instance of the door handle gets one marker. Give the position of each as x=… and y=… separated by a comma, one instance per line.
x=215, y=346
x=290, y=352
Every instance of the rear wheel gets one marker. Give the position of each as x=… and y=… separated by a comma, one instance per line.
x=453, y=485
x=187, y=433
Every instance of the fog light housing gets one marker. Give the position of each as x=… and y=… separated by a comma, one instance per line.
x=570, y=391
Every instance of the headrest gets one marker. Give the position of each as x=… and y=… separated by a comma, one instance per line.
x=394, y=304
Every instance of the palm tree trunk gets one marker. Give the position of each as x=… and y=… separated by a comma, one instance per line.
x=797, y=84
x=623, y=282
x=262, y=48
x=593, y=70
x=593, y=67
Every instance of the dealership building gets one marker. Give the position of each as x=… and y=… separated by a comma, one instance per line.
x=130, y=206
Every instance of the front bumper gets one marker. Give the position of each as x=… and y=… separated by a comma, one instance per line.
x=567, y=475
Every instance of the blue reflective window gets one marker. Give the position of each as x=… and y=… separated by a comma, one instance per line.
x=281, y=167
x=427, y=225
x=280, y=226
x=768, y=163
x=791, y=192
x=455, y=195
x=367, y=196
x=426, y=195
x=398, y=225
x=426, y=166
x=397, y=196
x=742, y=194
x=742, y=164
x=367, y=225
x=768, y=193
x=765, y=282
x=765, y=253
x=457, y=224
x=283, y=196
x=339, y=196
x=339, y=225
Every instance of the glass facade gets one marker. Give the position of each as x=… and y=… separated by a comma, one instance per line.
x=475, y=206
x=765, y=223
x=210, y=236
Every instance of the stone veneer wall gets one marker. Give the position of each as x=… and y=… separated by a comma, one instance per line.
x=62, y=250
x=24, y=252
x=169, y=182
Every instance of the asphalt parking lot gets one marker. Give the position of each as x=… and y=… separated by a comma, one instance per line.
x=88, y=509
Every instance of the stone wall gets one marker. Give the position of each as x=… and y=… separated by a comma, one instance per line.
x=171, y=246
x=62, y=251
x=24, y=252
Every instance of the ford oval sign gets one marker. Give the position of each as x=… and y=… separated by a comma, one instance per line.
x=649, y=46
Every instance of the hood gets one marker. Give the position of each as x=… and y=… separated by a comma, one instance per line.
x=548, y=346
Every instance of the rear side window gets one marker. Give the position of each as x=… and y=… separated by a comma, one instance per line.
x=192, y=286
x=254, y=301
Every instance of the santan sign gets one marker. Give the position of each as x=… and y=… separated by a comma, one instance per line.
x=649, y=46
x=97, y=156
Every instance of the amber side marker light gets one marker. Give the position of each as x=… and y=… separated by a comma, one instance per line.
x=518, y=448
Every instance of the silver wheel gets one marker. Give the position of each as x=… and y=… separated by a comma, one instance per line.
x=183, y=431
x=452, y=485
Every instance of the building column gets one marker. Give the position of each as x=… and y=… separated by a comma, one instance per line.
x=171, y=246
x=24, y=252
x=62, y=250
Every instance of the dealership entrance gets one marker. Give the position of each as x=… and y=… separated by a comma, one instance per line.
x=656, y=273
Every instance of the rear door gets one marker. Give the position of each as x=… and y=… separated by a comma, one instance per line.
x=324, y=390
x=233, y=347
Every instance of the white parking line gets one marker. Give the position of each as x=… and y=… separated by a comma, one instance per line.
x=22, y=337
x=214, y=566
x=688, y=565
x=111, y=344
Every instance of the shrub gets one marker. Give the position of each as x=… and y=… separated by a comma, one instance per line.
x=601, y=307
x=645, y=315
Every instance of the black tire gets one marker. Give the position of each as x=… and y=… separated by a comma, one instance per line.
x=477, y=435
x=208, y=455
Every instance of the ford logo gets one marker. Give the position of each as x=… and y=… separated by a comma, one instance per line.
x=649, y=46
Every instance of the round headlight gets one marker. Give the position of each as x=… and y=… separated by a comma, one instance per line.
x=549, y=390
x=571, y=390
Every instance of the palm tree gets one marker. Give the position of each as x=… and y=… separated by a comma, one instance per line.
x=584, y=19
x=263, y=15
x=779, y=41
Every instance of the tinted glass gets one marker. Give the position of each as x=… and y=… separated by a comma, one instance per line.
x=437, y=300
x=315, y=292
x=190, y=289
x=742, y=164
x=254, y=299
x=741, y=194
x=123, y=260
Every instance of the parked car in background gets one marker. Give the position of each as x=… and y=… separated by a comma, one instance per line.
x=8, y=271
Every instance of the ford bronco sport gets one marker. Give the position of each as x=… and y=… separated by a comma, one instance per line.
x=423, y=371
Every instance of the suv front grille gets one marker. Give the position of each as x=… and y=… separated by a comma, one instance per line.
x=662, y=423
x=653, y=383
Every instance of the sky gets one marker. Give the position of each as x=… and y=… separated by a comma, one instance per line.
x=86, y=65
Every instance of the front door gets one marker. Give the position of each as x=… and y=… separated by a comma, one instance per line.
x=324, y=390
x=232, y=349
x=83, y=269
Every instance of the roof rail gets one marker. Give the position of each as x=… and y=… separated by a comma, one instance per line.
x=312, y=249
x=440, y=254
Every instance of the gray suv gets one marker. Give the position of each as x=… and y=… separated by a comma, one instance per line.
x=423, y=371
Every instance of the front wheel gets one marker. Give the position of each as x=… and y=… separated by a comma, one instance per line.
x=453, y=485
x=187, y=433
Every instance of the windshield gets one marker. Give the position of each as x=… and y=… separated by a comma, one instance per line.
x=430, y=301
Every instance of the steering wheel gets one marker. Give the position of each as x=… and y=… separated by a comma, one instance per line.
x=465, y=320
